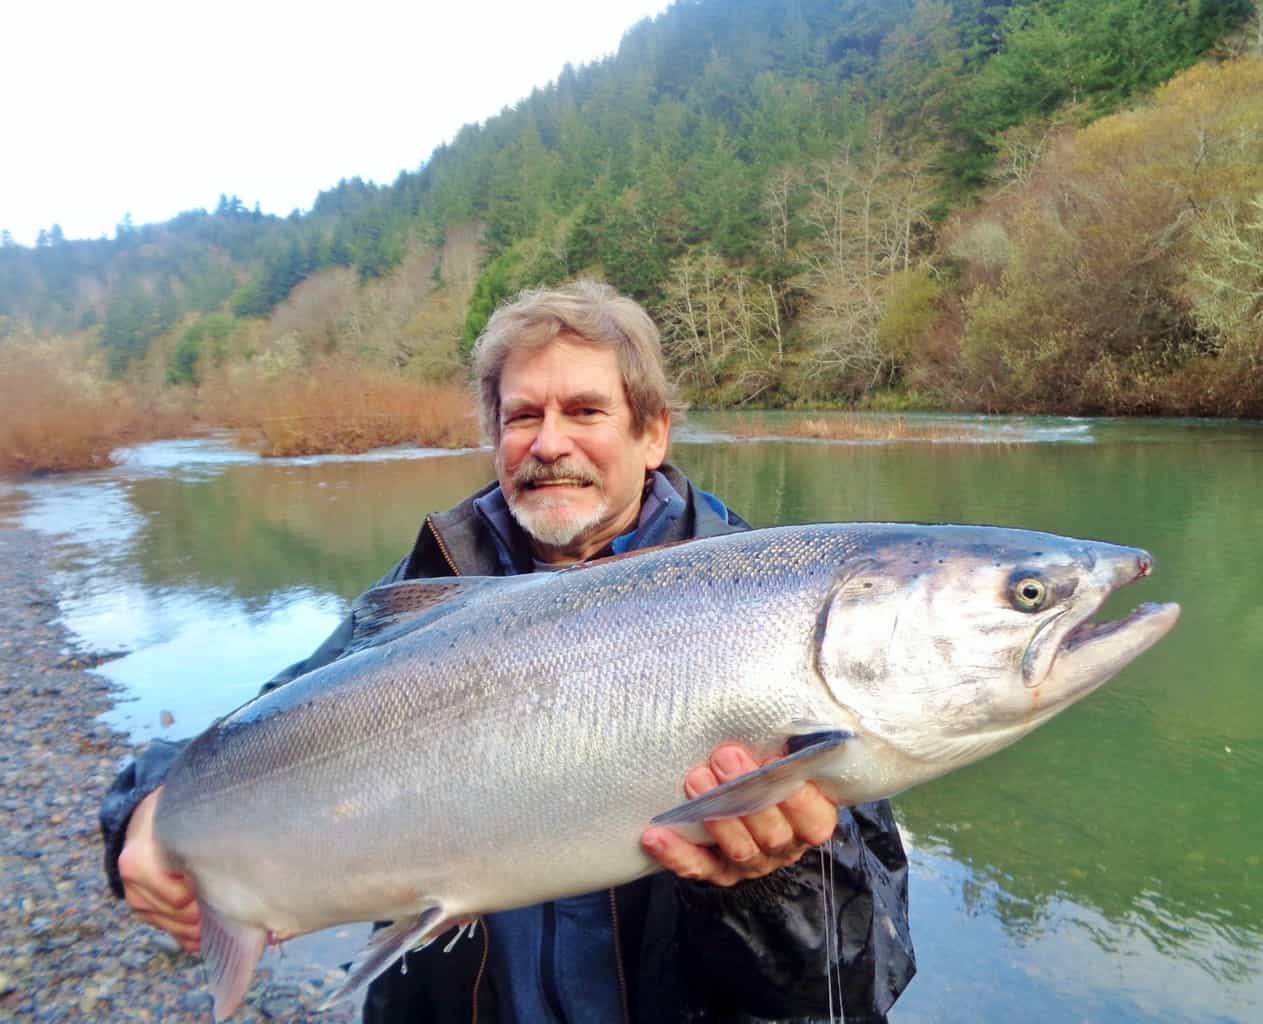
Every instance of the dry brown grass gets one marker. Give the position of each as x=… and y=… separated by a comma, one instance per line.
x=338, y=406
x=853, y=427
x=55, y=414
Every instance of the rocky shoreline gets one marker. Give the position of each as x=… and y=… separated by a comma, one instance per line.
x=69, y=951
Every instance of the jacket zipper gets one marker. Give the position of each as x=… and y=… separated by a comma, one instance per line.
x=482, y=966
x=438, y=539
x=618, y=959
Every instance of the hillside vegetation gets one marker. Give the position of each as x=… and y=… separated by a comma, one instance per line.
x=990, y=204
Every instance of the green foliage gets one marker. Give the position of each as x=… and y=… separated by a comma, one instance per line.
x=251, y=299
x=202, y=340
x=1082, y=53
x=133, y=319
x=496, y=283
x=899, y=399
x=911, y=308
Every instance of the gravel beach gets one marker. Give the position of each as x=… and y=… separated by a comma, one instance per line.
x=68, y=950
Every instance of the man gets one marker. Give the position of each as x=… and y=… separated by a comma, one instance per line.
x=575, y=400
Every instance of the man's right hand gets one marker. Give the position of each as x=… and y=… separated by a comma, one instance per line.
x=162, y=898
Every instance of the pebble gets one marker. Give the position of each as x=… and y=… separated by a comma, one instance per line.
x=69, y=951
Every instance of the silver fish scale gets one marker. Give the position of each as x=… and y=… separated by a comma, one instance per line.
x=564, y=726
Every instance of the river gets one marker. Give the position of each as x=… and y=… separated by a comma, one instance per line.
x=1107, y=868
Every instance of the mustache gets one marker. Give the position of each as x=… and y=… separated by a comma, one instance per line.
x=532, y=472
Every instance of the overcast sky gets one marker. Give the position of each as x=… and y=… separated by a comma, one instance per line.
x=150, y=108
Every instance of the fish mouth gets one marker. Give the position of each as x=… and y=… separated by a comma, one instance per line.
x=1088, y=632
x=1092, y=652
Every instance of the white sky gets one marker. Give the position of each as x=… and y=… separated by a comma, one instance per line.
x=156, y=107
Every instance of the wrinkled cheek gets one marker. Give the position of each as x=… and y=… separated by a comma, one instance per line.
x=510, y=453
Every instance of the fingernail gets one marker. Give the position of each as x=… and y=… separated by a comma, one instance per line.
x=699, y=780
x=728, y=762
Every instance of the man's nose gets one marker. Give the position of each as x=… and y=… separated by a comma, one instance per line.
x=552, y=441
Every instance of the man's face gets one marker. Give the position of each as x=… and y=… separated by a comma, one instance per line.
x=568, y=461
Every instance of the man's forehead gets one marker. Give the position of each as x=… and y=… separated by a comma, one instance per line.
x=582, y=371
x=566, y=396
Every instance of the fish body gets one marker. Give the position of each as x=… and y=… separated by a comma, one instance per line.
x=493, y=743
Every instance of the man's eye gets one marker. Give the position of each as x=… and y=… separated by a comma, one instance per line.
x=589, y=412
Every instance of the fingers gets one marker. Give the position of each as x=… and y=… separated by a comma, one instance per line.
x=769, y=831
x=162, y=890
x=162, y=898
x=170, y=904
x=811, y=814
x=749, y=847
x=181, y=907
x=687, y=860
x=187, y=934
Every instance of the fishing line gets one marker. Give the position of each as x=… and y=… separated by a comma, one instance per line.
x=833, y=942
x=827, y=923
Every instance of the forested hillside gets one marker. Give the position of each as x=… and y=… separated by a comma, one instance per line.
x=994, y=204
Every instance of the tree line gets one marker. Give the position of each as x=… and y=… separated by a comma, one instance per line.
x=936, y=202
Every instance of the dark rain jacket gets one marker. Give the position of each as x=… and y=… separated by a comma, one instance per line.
x=687, y=952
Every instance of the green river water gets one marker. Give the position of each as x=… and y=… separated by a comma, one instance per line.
x=1107, y=868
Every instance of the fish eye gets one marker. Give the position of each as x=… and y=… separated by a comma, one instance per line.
x=1029, y=593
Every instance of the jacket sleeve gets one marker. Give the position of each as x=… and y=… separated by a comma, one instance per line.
x=133, y=784
x=761, y=949
x=146, y=772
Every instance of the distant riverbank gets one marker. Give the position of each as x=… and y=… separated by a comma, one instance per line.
x=72, y=952
x=59, y=419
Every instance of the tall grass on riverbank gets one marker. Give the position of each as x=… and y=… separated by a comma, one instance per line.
x=57, y=414
x=339, y=406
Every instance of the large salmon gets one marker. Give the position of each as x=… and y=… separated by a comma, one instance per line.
x=481, y=725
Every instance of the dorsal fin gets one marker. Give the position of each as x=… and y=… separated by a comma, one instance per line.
x=392, y=609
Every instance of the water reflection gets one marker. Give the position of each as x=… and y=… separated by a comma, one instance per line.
x=985, y=955
x=214, y=569
x=1109, y=867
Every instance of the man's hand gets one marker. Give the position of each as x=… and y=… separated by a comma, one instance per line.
x=749, y=847
x=162, y=898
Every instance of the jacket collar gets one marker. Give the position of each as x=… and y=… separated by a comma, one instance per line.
x=479, y=537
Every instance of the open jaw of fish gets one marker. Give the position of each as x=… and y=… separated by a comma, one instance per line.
x=480, y=725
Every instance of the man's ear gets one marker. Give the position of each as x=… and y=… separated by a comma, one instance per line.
x=657, y=439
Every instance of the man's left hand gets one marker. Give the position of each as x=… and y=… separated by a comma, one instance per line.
x=749, y=847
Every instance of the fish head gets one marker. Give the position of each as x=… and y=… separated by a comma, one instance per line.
x=948, y=643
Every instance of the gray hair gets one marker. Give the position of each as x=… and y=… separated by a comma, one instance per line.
x=597, y=314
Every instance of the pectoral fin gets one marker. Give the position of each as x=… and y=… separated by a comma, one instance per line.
x=385, y=947
x=231, y=950
x=762, y=788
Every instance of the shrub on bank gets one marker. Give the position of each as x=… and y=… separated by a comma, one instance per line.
x=57, y=415
x=1129, y=280
x=339, y=406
